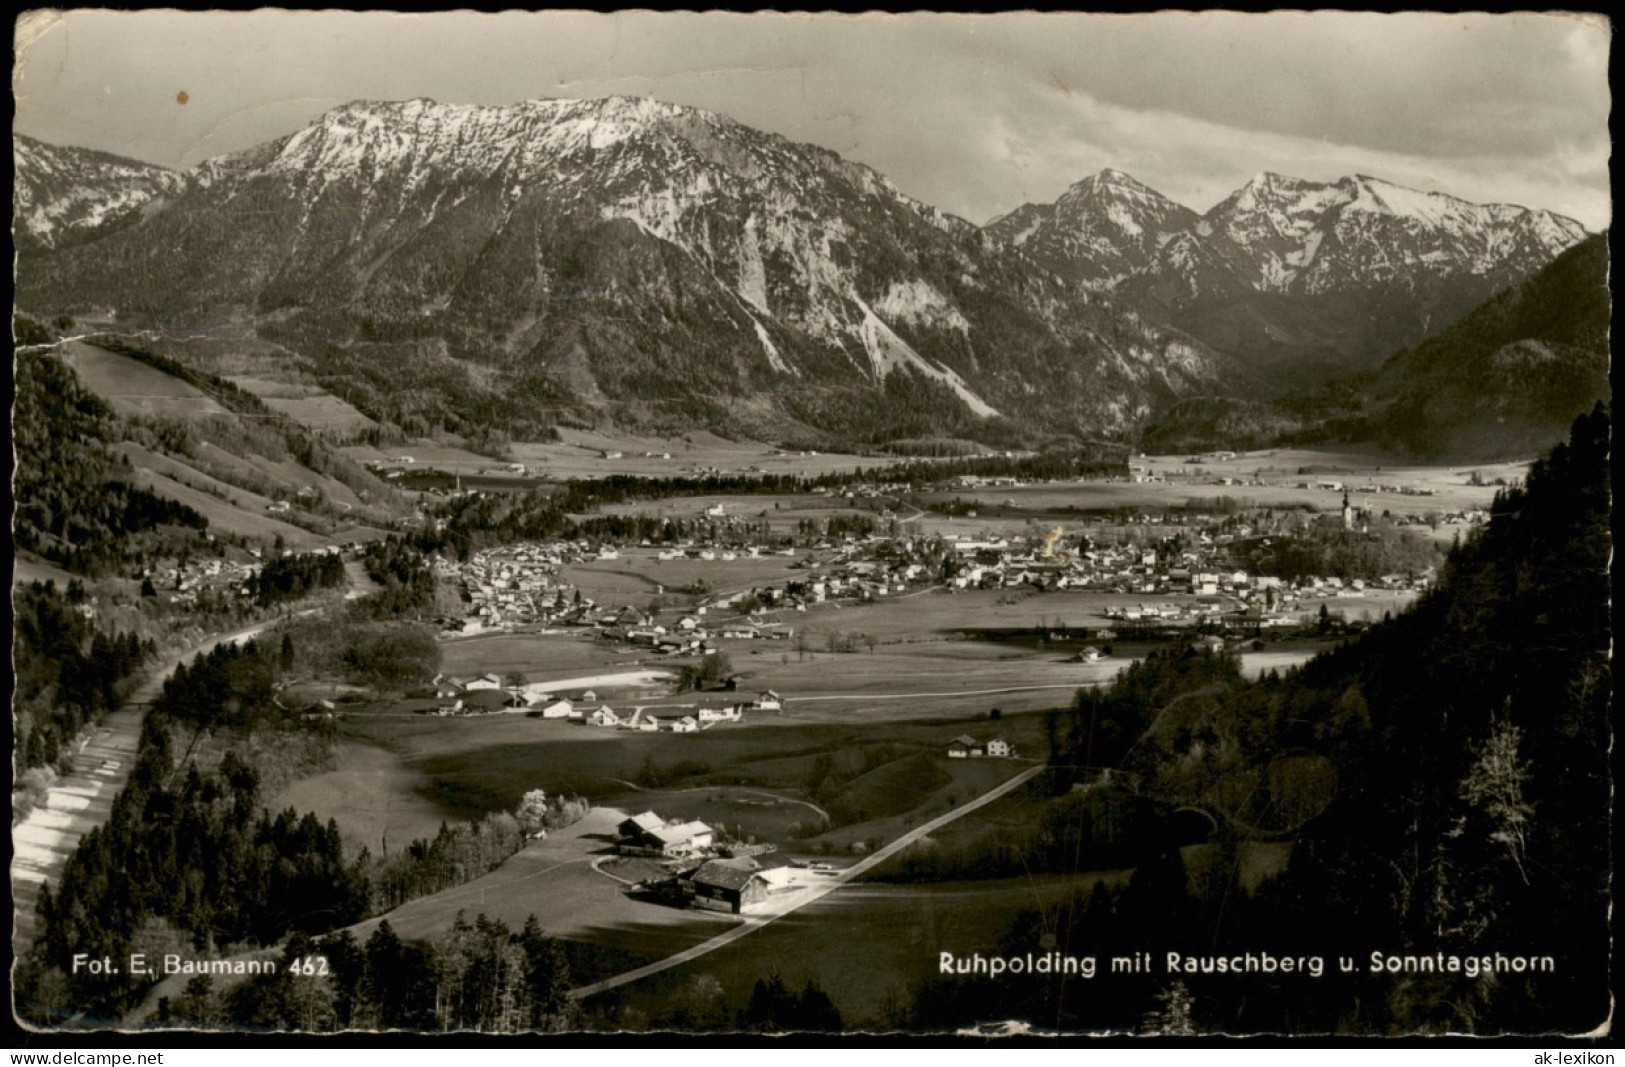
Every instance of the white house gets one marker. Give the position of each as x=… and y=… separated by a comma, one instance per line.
x=559, y=708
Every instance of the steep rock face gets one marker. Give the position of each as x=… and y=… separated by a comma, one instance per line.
x=66, y=196
x=1300, y=280
x=634, y=257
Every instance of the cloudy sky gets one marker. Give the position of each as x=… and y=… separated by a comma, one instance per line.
x=973, y=114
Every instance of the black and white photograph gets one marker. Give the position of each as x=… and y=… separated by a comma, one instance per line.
x=976, y=527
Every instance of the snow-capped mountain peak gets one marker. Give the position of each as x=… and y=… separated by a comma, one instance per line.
x=65, y=195
x=631, y=248
x=1102, y=229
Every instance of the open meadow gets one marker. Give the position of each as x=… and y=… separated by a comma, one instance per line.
x=781, y=511
x=131, y=387
x=378, y=801
x=587, y=454
x=639, y=571
x=466, y=767
x=307, y=404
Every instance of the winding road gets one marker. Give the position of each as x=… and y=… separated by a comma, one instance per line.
x=800, y=898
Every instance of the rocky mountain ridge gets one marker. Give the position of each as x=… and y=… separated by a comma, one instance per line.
x=628, y=256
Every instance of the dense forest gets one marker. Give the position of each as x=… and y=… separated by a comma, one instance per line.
x=292, y=577
x=190, y=860
x=479, y=975
x=1444, y=780
x=67, y=671
x=76, y=501
x=1378, y=550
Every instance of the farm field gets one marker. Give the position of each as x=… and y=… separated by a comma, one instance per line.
x=639, y=570
x=580, y=454
x=471, y=766
x=929, y=613
x=744, y=811
x=309, y=405
x=1352, y=468
x=424, y=454
x=541, y=657
x=225, y=517
x=554, y=880
x=780, y=510
x=133, y=388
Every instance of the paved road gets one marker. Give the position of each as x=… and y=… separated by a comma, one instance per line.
x=801, y=898
x=83, y=800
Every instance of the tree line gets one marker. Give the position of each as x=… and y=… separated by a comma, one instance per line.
x=1469, y=741
x=293, y=577
x=478, y=975
x=68, y=672
x=77, y=503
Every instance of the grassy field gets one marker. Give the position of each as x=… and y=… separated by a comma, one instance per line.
x=241, y=512
x=476, y=765
x=743, y=811
x=308, y=405
x=554, y=880
x=224, y=516
x=1007, y=510
x=781, y=510
x=424, y=454
x=581, y=454
x=638, y=571
x=133, y=388
x=26, y=569
x=1290, y=466
x=376, y=799
x=540, y=657
x=930, y=615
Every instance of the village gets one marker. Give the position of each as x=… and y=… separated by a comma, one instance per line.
x=520, y=588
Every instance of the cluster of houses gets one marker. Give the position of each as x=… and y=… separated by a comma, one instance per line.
x=183, y=582
x=700, y=874
x=689, y=634
x=702, y=717
x=518, y=586
x=967, y=747
x=487, y=695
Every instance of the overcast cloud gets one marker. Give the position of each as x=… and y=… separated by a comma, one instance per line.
x=973, y=114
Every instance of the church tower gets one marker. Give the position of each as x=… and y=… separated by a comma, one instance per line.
x=1348, y=512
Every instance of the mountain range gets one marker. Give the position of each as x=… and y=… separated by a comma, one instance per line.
x=631, y=261
x=1288, y=274
x=65, y=196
